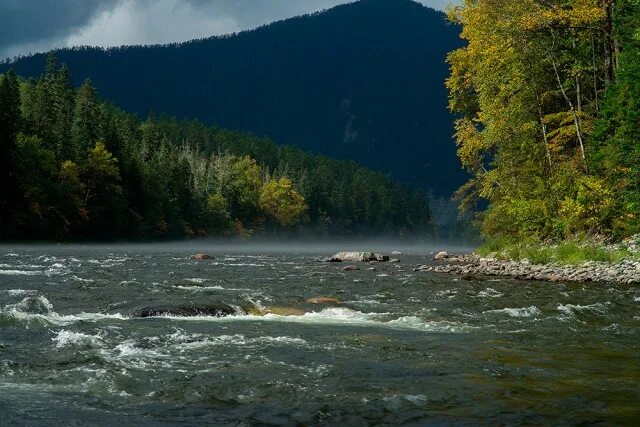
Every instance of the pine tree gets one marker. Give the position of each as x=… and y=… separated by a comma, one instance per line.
x=9, y=127
x=84, y=129
x=64, y=106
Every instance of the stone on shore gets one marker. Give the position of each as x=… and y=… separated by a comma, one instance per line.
x=441, y=256
x=623, y=272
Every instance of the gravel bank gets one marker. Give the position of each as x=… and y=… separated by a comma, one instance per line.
x=626, y=272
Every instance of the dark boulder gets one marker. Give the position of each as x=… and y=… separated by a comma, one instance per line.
x=215, y=310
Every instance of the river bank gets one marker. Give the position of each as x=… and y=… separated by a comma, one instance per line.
x=627, y=271
x=617, y=263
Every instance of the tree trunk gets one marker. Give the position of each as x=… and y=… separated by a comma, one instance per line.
x=595, y=73
x=576, y=120
x=608, y=42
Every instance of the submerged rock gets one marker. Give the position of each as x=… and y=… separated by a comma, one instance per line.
x=35, y=305
x=216, y=310
x=323, y=300
x=201, y=257
x=279, y=311
x=358, y=257
x=350, y=268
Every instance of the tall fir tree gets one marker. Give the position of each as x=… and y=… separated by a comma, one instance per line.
x=9, y=127
x=64, y=106
x=84, y=129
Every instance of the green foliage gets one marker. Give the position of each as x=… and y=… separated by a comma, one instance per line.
x=245, y=186
x=77, y=168
x=85, y=125
x=616, y=149
x=10, y=123
x=217, y=212
x=548, y=155
x=282, y=202
x=568, y=252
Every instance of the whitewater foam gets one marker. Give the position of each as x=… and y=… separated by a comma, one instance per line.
x=66, y=338
x=204, y=288
x=340, y=316
x=20, y=272
x=197, y=280
x=572, y=309
x=518, y=312
x=19, y=292
x=37, y=310
x=490, y=293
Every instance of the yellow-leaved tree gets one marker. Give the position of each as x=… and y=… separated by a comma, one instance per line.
x=527, y=89
x=280, y=201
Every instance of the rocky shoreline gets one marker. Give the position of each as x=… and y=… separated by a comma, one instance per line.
x=624, y=272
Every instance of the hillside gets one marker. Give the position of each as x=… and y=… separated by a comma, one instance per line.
x=74, y=167
x=362, y=81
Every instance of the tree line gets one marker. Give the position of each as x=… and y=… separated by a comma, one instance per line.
x=76, y=167
x=361, y=81
x=548, y=98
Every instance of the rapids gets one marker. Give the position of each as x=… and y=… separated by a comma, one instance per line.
x=242, y=343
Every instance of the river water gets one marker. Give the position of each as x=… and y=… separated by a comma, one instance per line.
x=402, y=347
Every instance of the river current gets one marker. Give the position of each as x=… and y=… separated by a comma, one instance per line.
x=400, y=347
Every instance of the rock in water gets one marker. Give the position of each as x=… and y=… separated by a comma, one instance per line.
x=323, y=300
x=350, y=268
x=216, y=310
x=358, y=257
x=278, y=311
x=441, y=256
x=35, y=305
x=396, y=253
x=201, y=257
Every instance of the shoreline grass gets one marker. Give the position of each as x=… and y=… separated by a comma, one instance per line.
x=569, y=252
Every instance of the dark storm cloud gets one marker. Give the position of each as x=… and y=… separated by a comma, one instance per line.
x=38, y=25
x=31, y=22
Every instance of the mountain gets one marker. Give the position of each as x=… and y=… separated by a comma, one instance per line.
x=362, y=81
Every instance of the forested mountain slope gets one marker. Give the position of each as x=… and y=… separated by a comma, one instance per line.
x=362, y=81
x=74, y=167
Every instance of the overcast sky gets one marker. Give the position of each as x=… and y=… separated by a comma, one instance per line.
x=39, y=25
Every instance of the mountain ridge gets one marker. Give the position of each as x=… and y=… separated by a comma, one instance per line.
x=370, y=90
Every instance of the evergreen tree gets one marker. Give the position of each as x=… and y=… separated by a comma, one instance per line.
x=9, y=126
x=84, y=129
x=64, y=107
x=78, y=168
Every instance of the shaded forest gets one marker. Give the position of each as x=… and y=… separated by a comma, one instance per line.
x=75, y=167
x=361, y=81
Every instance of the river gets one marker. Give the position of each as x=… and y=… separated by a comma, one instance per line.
x=401, y=347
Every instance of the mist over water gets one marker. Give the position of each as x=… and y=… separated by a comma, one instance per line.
x=259, y=245
x=399, y=347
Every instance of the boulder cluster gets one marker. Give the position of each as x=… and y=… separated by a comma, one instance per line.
x=357, y=257
x=626, y=272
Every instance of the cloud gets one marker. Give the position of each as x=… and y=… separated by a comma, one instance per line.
x=39, y=25
x=34, y=25
x=140, y=22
